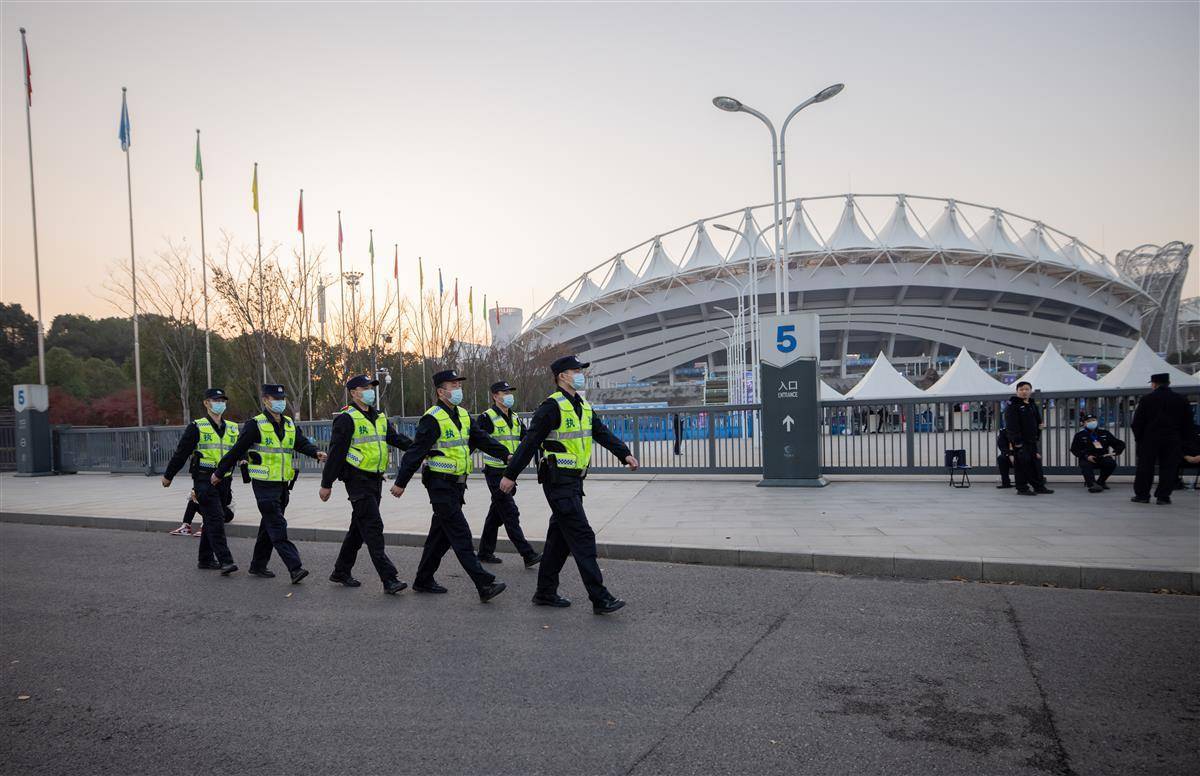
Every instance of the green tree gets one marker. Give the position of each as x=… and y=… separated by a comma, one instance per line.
x=110, y=338
x=18, y=334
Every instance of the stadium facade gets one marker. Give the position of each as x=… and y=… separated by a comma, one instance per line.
x=915, y=277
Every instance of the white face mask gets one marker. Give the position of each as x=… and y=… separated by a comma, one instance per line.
x=578, y=381
x=1091, y=425
x=368, y=396
x=218, y=407
x=508, y=401
x=456, y=396
x=278, y=406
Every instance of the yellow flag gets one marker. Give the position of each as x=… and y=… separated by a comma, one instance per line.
x=254, y=187
x=470, y=306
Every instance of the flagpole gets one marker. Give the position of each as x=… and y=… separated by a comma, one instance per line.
x=342, y=292
x=37, y=270
x=137, y=349
x=204, y=266
x=374, y=323
x=262, y=322
x=304, y=305
x=421, y=319
x=399, y=325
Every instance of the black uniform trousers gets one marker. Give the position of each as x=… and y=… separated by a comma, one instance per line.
x=1103, y=466
x=272, y=499
x=503, y=511
x=448, y=529
x=366, y=527
x=1167, y=455
x=569, y=534
x=1027, y=467
x=213, y=503
x=1005, y=465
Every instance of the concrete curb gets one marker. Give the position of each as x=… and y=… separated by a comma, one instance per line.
x=990, y=570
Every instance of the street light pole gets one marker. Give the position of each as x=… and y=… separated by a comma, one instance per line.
x=778, y=179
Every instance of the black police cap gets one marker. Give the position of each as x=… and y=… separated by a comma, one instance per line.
x=1089, y=416
x=274, y=390
x=446, y=376
x=360, y=381
x=1162, y=378
x=501, y=386
x=561, y=365
x=214, y=393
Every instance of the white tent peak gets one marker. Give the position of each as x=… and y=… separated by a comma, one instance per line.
x=947, y=233
x=620, y=277
x=799, y=238
x=659, y=264
x=848, y=235
x=966, y=378
x=1051, y=372
x=741, y=246
x=829, y=394
x=704, y=253
x=1135, y=369
x=994, y=239
x=1037, y=245
x=898, y=232
x=556, y=307
x=588, y=290
x=882, y=381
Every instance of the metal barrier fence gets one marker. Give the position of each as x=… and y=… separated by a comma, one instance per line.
x=907, y=436
x=8, y=446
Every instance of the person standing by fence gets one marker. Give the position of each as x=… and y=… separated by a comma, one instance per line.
x=1161, y=423
x=1023, y=424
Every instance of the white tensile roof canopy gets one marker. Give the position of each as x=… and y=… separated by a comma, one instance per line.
x=967, y=378
x=1051, y=372
x=660, y=264
x=704, y=253
x=621, y=277
x=829, y=394
x=1135, y=369
x=882, y=381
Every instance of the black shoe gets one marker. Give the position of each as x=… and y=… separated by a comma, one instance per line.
x=430, y=587
x=298, y=575
x=1095, y=489
x=347, y=580
x=1042, y=491
x=533, y=560
x=1103, y=485
x=553, y=599
x=491, y=591
x=228, y=569
x=264, y=573
x=1163, y=500
x=208, y=564
x=489, y=559
x=393, y=586
x=1025, y=492
x=1002, y=486
x=607, y=606
x=1140, y=499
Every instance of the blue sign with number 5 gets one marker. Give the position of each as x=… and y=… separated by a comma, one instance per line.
x=785, y=340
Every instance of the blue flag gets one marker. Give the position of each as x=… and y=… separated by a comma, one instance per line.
x=441, y=290
x=123, y=132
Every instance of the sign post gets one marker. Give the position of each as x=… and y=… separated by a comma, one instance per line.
x=790, y=348
x=31, y=404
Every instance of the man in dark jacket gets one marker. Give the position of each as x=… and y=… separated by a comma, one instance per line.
x=1023, y=425
x=1097, y=451
x=1161, y=422
x=358, y=456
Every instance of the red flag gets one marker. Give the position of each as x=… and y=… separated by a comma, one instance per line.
x=28, y=72
x=339, y=231
x=497, y=313
x=456, y=292
x=300, y=215
x=396, y=264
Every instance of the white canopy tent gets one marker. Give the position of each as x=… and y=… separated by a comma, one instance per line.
x=882, y=381
x=829, y=394
x=967, y=378
x=1051, y=372
x=1135, y=369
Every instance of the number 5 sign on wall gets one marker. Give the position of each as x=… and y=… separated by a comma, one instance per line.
x=786, y=338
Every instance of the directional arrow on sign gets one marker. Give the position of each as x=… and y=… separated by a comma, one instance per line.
x=787, y=422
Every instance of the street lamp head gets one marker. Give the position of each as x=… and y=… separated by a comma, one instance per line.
x=828, y=92
x=724, y=228
x=727, y=104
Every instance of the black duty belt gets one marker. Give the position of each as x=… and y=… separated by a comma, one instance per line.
x=456, y=478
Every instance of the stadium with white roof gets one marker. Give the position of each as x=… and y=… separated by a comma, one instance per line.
x=915, y=278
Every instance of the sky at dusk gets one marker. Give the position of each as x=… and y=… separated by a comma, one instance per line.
x=516, y=145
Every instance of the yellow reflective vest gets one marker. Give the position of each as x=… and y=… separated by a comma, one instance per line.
x=573, y=435
x=504, y=432
x=274, y=454
x=212, y=447
x=368, y=448
x=452, y=453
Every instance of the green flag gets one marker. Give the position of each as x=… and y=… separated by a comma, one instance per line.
x=199, y=164
x=485, y=308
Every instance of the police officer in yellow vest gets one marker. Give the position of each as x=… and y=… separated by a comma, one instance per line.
x=358, y=456
x=205, y=441
x=268, y=441
x=506, y=428
x=565, y=428
x=442, y=450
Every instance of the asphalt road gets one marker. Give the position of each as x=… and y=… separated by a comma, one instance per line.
x=136, y=662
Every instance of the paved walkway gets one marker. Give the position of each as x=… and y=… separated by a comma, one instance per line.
x=871, y=527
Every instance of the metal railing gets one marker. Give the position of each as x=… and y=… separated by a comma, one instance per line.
x=908, y=436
